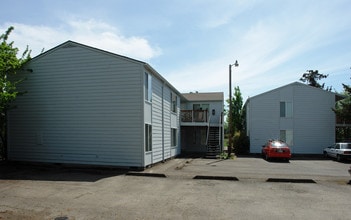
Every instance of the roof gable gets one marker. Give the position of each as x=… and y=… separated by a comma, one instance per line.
x=71, y=44
x=295, y=84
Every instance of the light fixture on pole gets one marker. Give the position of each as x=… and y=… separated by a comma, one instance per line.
x=236, y=64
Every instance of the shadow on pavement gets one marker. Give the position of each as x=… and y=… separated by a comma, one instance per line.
x=55, y=172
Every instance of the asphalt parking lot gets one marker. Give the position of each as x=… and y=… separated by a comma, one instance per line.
x=182, y=188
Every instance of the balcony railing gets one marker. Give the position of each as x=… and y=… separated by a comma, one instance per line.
x=194, y=115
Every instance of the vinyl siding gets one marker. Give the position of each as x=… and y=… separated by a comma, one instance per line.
x=157, y=120
x=163, y=119
x=167, y=121
x=82, y=106
x=314, y=120
x=312, y=123
x=264, y=120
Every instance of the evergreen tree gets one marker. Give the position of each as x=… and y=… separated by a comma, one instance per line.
x=311, y=77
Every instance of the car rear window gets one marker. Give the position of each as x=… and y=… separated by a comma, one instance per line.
x=346, y=146
x=279, y=144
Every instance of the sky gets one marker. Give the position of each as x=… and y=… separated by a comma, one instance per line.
x=191, y=43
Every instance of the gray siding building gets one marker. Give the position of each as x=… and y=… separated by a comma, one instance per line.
x=202, y=123
x=89, y=106
x=296, y=113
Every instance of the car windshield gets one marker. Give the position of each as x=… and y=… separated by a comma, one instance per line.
x=345, y=146
x=279, y=144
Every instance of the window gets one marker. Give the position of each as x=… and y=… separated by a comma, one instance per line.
x=174, y=99
x=287, y=136
x=147, y=86
x=201, y=106
x=173, y=137
x=148, y=137
x=286, y=109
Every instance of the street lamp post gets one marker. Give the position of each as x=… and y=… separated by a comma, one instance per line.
x=236, y=64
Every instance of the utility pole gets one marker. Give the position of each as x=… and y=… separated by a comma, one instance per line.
x=236, y=64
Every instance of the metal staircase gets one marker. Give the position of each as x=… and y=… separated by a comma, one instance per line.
x=213, y=142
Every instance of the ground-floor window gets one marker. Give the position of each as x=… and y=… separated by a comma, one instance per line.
x=173, y=137
x=148, y=137
x=287, y=136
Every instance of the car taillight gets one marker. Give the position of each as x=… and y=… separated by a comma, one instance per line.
x=347, y=152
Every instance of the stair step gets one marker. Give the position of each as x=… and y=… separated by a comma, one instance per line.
x=213, y=147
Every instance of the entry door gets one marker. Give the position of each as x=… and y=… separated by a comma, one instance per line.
x=200, y=111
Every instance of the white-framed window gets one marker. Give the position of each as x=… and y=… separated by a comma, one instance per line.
x=174, y=99
x=148, y=87
x=287, y=136
x=286, y=109
x=174, y=137
x=148, y=137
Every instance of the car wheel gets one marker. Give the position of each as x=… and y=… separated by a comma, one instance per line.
x=267, y=158
x=338, y=157
x=325, y=154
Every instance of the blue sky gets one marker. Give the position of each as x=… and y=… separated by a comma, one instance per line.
x=192, y=42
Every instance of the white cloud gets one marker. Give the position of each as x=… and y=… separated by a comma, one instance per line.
x=91, y=32
x=271, y=52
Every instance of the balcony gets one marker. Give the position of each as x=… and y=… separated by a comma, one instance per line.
x=194, y=116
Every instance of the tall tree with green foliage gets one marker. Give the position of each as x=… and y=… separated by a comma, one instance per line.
x=237, y=103
x=240, y=140
x=343, y=113
x=9, y=65
x=311, y=77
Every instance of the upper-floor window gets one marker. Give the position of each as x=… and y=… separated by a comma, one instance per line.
x=174, y=99
x=286, y=109
x=148, y=87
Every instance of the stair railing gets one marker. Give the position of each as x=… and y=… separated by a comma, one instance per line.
x=220, y=133
x=208, y=129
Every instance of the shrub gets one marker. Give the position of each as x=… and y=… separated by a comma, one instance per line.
x=241, y=143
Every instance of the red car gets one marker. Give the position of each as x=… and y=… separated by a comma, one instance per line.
x=276, y=149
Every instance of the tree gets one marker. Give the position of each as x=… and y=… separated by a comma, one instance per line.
x=311, y=77
x=237, y=103
x=343, y=114
x=9, y=65
x=238, y=116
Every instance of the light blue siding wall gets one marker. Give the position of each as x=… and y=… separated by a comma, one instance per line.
x=167, y=122
x=157, y=120
x=264, y=119
x=218, y=108
x=82, y=106
x=162, y=120
x=175, y=124
x=312, y=123
x=314, y=120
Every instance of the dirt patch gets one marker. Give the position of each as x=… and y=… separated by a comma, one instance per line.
x=24, y=215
